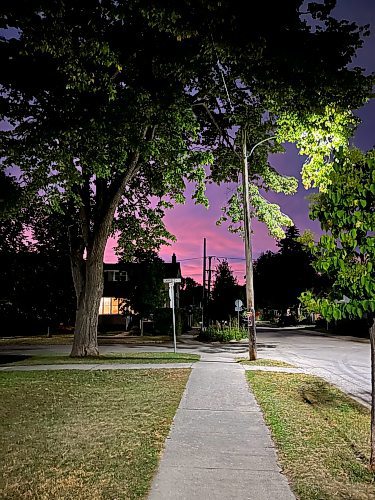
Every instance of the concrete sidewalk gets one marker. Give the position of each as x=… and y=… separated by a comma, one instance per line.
x=219, y=446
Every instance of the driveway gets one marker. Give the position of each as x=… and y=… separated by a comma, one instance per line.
x=343, y=361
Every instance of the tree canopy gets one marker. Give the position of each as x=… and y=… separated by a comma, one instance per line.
x=35, y=275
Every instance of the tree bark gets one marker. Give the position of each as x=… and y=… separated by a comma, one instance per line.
x=85, y=341
x=372, y=342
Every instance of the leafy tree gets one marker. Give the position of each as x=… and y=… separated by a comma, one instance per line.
x=101, y=124
x=224, y=293
x=346, y=253
x=268, y=93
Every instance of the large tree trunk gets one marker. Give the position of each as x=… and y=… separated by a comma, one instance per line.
x=85, y=341
x=372, y=342
x=91, y=234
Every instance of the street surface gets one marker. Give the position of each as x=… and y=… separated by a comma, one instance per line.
x=343, y=361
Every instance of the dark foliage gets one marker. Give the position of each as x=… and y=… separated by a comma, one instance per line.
x=280, y=278
x=225, y=292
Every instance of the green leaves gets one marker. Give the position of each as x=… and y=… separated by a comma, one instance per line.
x=319, y=136
x=266, y=212
x=347, y=254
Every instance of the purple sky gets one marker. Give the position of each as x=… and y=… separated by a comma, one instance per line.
x=191, y=223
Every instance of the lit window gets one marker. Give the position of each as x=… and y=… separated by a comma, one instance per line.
x=106, y=305
x=115, y=306
x=110, y=305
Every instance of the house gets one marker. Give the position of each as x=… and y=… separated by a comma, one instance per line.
x=117, y=280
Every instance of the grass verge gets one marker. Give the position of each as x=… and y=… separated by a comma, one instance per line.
x=68, y=340
x=91, y=435
x=323, y=436
x=120, y=358
x=266, y=362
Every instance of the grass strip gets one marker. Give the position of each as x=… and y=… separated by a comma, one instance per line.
x=68, y=340
x=266, y=362
x=91, y=435
x=322, y=435
x=120, y=358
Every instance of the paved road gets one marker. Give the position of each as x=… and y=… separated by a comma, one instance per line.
x=343, y=361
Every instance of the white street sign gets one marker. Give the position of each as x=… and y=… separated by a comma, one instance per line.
x=238, y=303
x=171, y=282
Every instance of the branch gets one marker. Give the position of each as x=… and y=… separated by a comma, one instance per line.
x=77, y=246
x=103, y=224
x=225, y=135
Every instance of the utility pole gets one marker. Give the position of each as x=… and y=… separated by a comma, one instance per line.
x=248, y=252
x=204, y=285
x=209, y=285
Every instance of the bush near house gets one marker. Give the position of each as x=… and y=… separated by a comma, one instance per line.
x=224, y=334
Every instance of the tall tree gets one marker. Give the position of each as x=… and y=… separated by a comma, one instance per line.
x=249, y=116
x=346, y=253
x=100, y=123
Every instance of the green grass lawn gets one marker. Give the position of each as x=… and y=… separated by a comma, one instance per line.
x=127, y=357
x=322, y=435
x=84, y=435
x=266, y=362
x=68, y=340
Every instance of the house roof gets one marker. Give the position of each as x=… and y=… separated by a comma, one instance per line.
x=171, y=269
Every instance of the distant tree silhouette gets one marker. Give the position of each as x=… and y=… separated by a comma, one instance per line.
x=281, y=277
x=35, y=274
x=225, y=291
x=190, y=292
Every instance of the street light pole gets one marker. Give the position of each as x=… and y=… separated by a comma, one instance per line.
x=251, y=328
x=250, y=304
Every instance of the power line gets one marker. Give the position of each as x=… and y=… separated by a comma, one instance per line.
x=214, y=257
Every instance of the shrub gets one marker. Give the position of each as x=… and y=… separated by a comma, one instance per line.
x=225, y=334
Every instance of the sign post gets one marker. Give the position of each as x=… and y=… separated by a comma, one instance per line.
x=238, y=308
x=171, y=282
